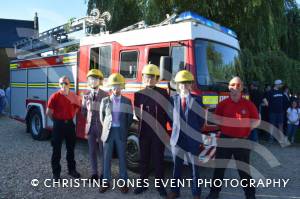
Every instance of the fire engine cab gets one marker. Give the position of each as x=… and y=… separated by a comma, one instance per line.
x=185, y=41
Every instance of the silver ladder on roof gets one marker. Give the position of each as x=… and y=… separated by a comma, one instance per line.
x=142, y=24
x=57, y=37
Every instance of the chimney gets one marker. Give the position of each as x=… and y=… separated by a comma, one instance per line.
x=36, y=24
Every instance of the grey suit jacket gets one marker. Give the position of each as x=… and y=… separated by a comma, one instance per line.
x=88, y=105
x=126, y=117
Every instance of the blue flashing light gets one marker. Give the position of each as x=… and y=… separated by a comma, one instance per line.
x=190, y=16
x=228, y=31
x=185, y=16
x=209, y=23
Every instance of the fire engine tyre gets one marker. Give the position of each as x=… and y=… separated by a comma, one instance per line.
x=133, y=152
x=35, y=124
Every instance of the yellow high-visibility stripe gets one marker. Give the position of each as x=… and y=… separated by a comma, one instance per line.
x=72, y=57
x=13, y=66
x=53, y=85
x=37, y=84
x=210, y=100
x=18, y=85
x=69, y=59
x=56, y=85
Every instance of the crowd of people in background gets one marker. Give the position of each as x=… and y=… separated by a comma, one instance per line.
x=4, y=99
x=278, y=106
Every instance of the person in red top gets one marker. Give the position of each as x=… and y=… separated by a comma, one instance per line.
x=236, y=117
x=62, y=107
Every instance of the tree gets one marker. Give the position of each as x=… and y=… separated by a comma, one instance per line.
x=123, y=12
x=268, y=30
x=291, y=41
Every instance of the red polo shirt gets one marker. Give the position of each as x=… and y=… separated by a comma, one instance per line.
x=235, y=120
x=64, y=107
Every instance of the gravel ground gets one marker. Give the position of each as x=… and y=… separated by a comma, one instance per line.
x=24, y=159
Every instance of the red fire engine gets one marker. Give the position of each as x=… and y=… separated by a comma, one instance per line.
x=185, y=41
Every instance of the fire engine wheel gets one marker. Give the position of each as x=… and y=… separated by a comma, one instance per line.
x=36, y=126
x=133, y=152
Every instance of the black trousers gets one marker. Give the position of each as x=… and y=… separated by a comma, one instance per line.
x=239, y=154
x=63, y=130
x=151, y=148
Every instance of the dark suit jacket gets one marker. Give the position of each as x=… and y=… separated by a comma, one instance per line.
x=155, y=102
x=190, y=122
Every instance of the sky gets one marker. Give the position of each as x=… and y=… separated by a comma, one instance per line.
x=51, y=13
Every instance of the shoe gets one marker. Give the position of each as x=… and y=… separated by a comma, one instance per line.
x=140, y=190
x=212, y=195
x=74, y=174
x=104, y=188
x=162, y=191
x=196, y=197
x=172, y=195
x=250, y=197
x=94, y=177
x=56, y=177
x=124, y=189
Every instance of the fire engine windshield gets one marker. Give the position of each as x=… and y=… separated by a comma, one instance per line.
x=216, y=64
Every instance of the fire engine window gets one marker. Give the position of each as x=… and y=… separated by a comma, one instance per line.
x=178, y=61
x=105, y=60
x=100, y=58
x=94, y=58
x=128, y=66
x=156, y=53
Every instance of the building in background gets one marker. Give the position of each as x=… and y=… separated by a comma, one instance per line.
x=11, y=31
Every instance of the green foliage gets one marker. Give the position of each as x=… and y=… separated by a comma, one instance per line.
x=268, y=30
x=291, y=40
x=71, y=48
x=68, y=25
x=123, y=12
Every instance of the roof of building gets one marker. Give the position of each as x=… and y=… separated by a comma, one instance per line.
x=13, y=30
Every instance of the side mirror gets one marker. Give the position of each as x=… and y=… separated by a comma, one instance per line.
x=172, y=85
x=165, y=66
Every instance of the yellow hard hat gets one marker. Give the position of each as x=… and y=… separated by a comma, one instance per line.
x=151, y=69
x=184, y=76
x=96, y=73
x=116, y=79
